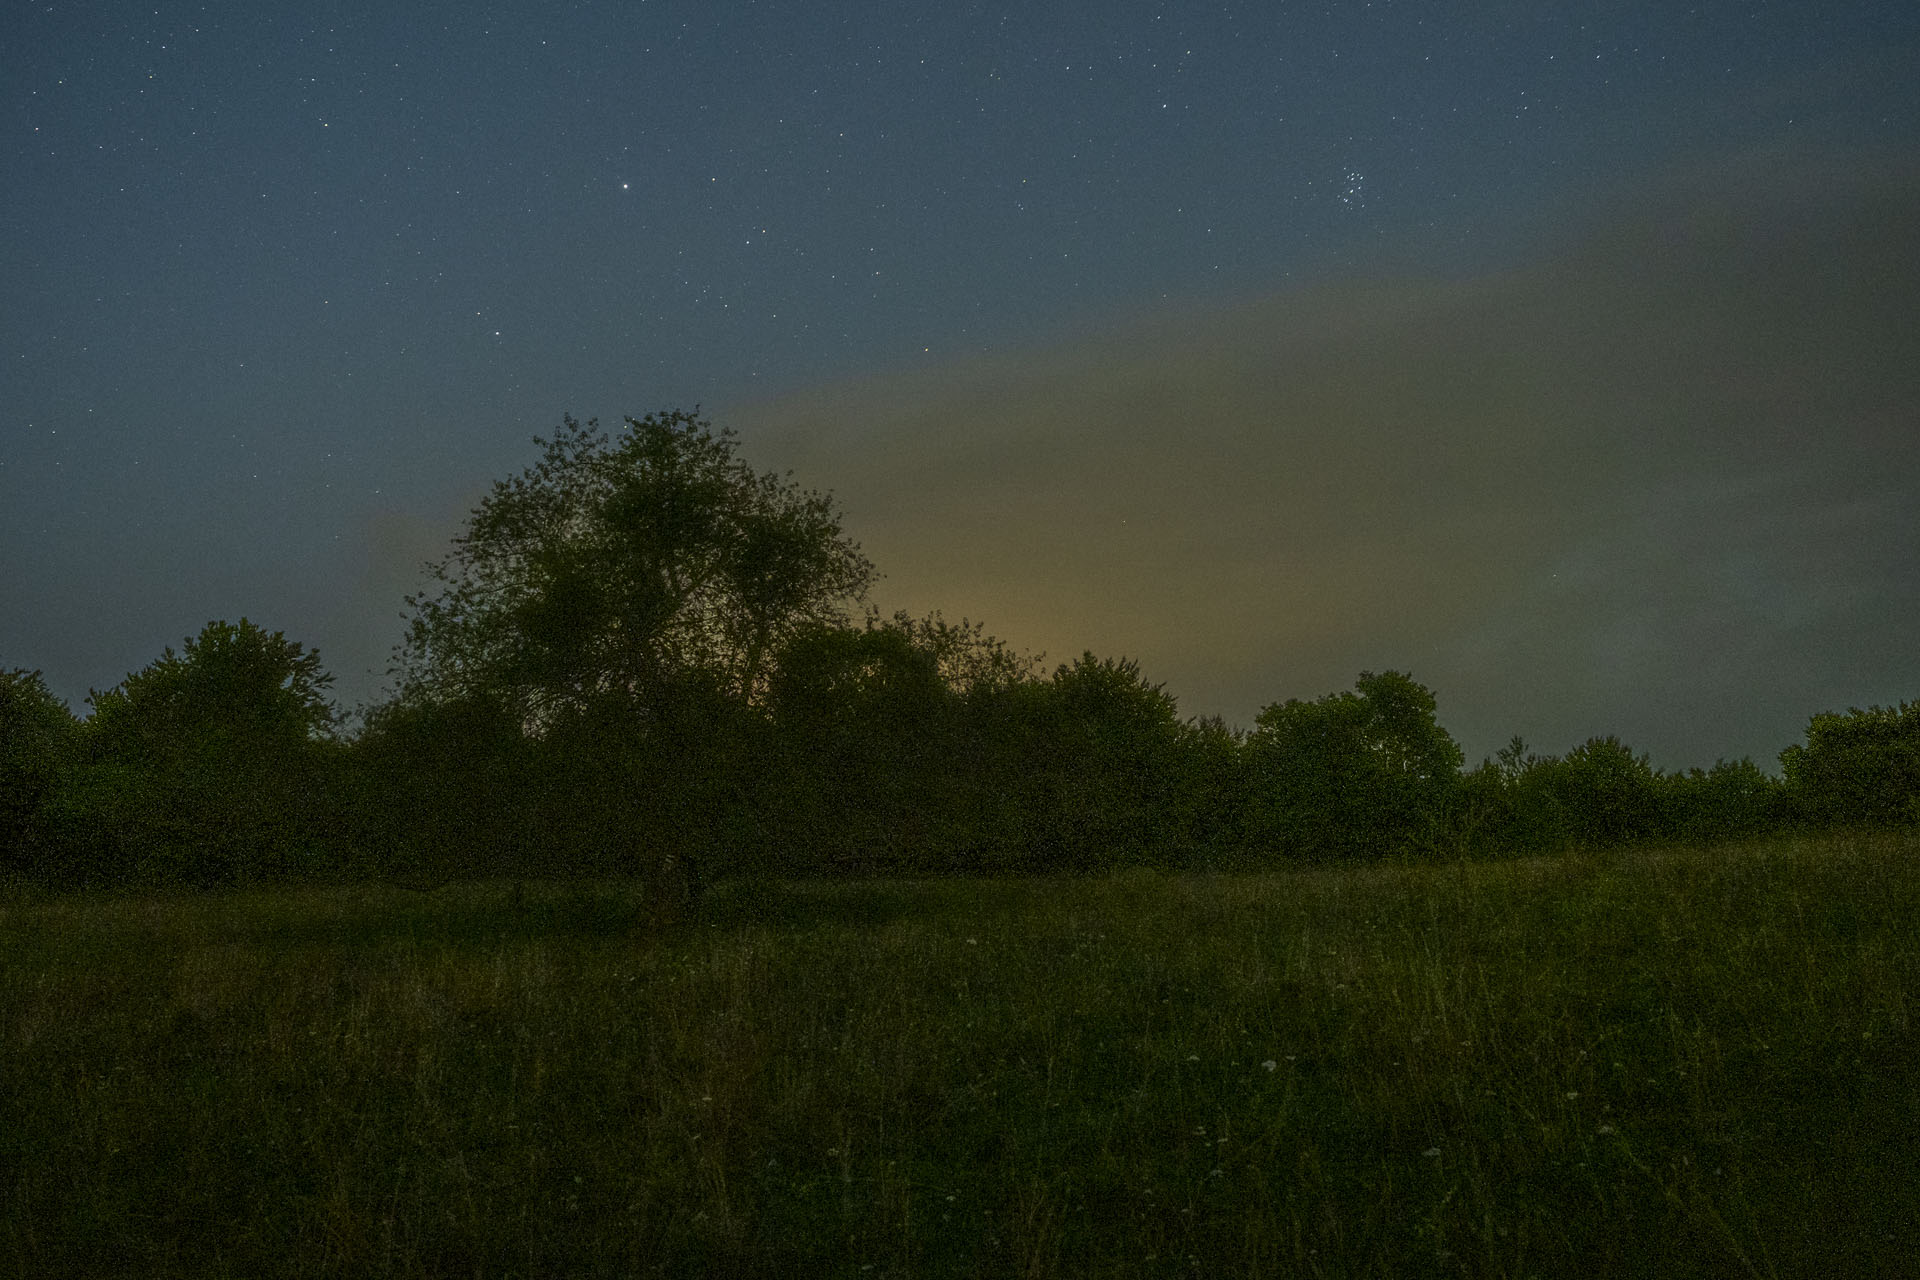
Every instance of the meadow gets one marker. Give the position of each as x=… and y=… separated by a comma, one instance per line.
x=1680, y=1061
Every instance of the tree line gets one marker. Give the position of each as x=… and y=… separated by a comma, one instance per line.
x=642, y=657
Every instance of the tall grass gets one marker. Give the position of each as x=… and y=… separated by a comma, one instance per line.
x=1680, y=1061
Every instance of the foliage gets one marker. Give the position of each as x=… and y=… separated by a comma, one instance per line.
x=439, y=791
x=1206, y=797
x=1604, y=793
x=892, y=747
x=236, y=682
x=1733, y=800
x=1354, y=773
x=969, y=661
x=1601, y=795
x=210, y=764
x=39, y=742
x=1108, y=741
x=859, y=720
x=915, y=744
x=610, y=624
x=618, y=570
x=624, y=604
x=1859, y=768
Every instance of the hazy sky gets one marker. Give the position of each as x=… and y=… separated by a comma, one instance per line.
x=1564, y=355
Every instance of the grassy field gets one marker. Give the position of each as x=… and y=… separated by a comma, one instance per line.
x=1673, y=1062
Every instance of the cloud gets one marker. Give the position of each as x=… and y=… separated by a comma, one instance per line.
x=1659, y=482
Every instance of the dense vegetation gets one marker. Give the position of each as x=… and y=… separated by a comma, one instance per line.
x=643, y=658
x=1650, y=1062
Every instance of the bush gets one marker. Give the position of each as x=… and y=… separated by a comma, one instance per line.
x=1730, y=801
x=39, y=744
x=1859, y=768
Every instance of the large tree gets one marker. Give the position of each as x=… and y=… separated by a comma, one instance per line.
x=617, y=571
x=620, y=609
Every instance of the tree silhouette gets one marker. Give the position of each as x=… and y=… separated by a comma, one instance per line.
x=1365, y=771
x=1606, y=794
x=39, y=740
x=623, y=605
x=860, y=717
x=1112, y=747
x=1732, y=799
x=615, y=569
x=1861, y=767
x=208, y=764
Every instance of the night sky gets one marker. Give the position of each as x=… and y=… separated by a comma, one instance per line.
x=1566, y=356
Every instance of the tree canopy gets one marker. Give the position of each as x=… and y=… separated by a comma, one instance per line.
x=207, y=764
x=234, y=681
x=38, y=744
x=1363, y=771
x=617, y=568
x=1862, y=767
